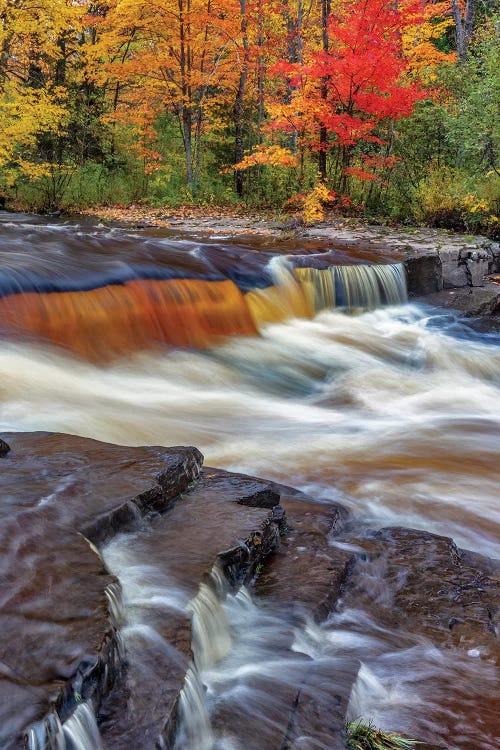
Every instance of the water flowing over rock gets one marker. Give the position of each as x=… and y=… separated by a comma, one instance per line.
x=151, y=602
x=131, y=637
x=176, y=294
x=61, y=640
x=61, y=495
x=428, y=586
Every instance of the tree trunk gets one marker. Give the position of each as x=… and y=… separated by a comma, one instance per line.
x=323, y=132
x=260, y=72
x=185, y=109
x=463, y=29
x=239, y=144
x=187, y=128
x=294, y=54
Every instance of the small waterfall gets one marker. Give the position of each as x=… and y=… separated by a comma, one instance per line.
x=318, y=286
x=283, y=300
x=354, y=287
x=111, y=315
x=194, y=730
x=79, y=732
x=211, y=642
x=211, y=639
x=46, y=735
x=140, y=314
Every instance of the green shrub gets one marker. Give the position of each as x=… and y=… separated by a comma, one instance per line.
x=362, y=736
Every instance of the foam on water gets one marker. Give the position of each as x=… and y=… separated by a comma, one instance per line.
x=386, y=411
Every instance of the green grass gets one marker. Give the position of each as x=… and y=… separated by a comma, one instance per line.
x=366, y=737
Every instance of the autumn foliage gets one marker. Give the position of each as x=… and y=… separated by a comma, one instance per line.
x=167, y=96
x=349, y=89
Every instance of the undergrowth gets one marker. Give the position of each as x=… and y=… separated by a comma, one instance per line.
x=362, y=736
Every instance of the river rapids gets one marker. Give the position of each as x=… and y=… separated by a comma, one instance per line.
x=394, y=412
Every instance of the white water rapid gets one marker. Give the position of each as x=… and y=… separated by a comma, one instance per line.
x=394, y=412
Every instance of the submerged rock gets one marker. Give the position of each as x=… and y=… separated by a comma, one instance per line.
x=427, y=585
x=469, y=301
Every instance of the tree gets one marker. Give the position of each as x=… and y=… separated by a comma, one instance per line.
x=344, y=92
x=463, y=26
x=170, y=56
x=33, y=97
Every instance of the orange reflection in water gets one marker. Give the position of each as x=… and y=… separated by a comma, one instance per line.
x=118, y=319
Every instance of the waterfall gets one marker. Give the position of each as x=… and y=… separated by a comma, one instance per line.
x=79, y=732
x=282, y=300
x=139, y=314
x=119, y=316
x=354, y=287
x=194, y=730
x=211, y=642
x=211, y=639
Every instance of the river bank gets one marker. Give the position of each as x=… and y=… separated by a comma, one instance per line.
x=451, y=270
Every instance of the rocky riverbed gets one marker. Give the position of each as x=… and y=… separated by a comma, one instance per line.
x=439, y=263
x=71, y=506
x=155, y=602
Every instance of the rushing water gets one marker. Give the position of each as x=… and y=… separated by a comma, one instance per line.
x=389, y=412
x=392, y=412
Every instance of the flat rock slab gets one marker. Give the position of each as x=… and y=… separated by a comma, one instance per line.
x=55, y=625
x=91, y=486
x=58, y=636
x=225, y=519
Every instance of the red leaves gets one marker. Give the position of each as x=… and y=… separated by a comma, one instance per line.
x=359, y=82
x=360, y=173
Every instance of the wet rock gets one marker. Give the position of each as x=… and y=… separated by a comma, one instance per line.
x=454, y=263
x=94, y=487
x=426, y=585
x=4, y=447
x=302, y=579
x=318, y=716
x=423, y=274
x=59, y=640
x=471, y=301
x=245, y=490
x=306, y=571
x=227, y=521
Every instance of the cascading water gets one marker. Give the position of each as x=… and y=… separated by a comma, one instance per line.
x=354, y=287
x=79, y=732
x=392, y=412
x=211, y=642
x=172, y=295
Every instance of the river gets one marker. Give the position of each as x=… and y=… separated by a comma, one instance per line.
x=393, y=412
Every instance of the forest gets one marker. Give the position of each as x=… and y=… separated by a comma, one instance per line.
x=365, y=107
